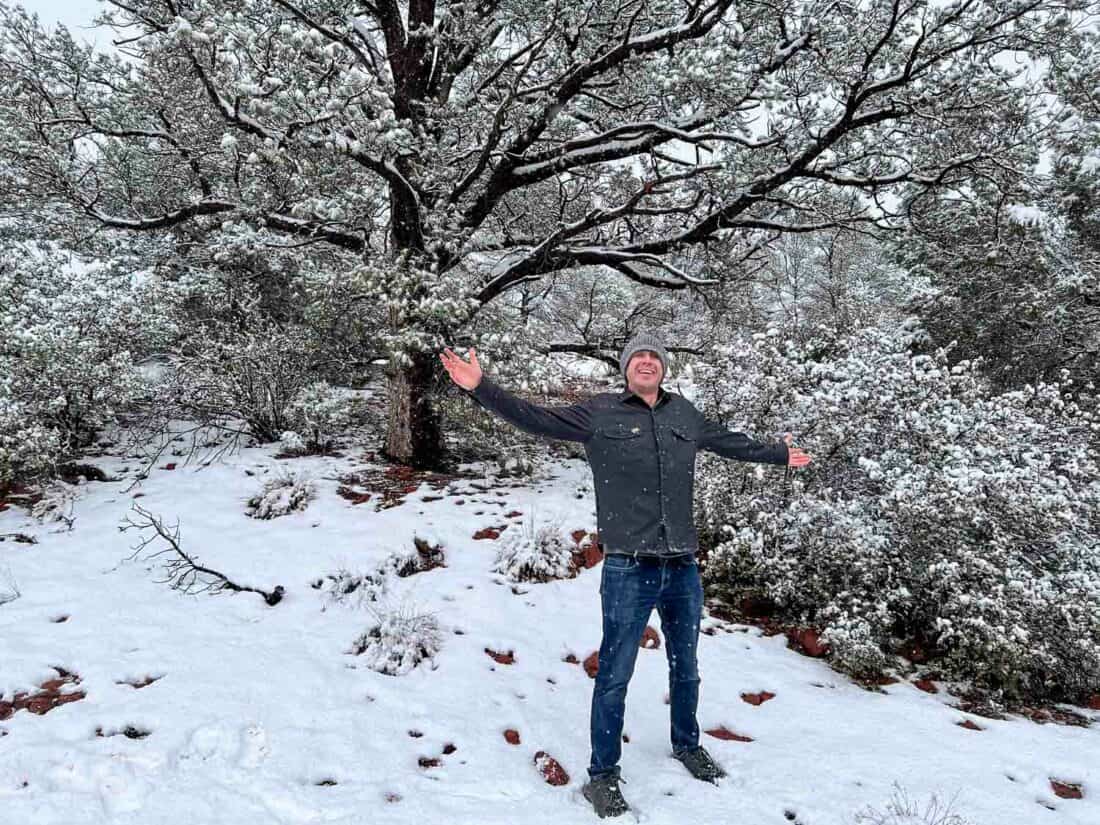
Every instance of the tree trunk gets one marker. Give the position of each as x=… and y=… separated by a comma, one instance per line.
x=413, y=435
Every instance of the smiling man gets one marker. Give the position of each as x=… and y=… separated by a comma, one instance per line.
x=641, y=445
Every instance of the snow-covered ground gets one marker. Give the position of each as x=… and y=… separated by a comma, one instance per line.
x=261, y=714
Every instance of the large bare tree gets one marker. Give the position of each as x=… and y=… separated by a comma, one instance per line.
x=446, y=152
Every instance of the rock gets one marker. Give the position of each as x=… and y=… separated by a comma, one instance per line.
x=513, y=514
x=592, y=664
x=487, y=533
x=927, y=685
x=551, y=769
x=508, y=658
x=650, y=639
x=171, y=465
x=969, y=725
x=758, y=698
x=724, y=733
x=807, y=640
x=449, y=748
x=511, y=736
x=1066, y=790
x=1094, y=701
x=428, y=762
x=571, y=658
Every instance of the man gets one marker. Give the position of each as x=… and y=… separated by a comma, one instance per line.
x=641, y=446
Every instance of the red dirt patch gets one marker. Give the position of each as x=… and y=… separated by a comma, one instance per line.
x=927, y=685
x=757, y=698
x=508, y=658
x=47, y=698
x=728, y=735
x=511, y=736
x=1066, y=790
x=392, y=484
x=969, y=725
x=551, y=769
x=489, y=532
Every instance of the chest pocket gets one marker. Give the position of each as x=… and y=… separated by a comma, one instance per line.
x=682, y=446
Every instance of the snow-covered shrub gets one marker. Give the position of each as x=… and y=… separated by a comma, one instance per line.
x=901, y=810
x=353, y=590
x=9, y=588
x=290, y=443
x=56, y=503
x=399, y=639
x=280, y=496
x=72, y=335
x=28, y=449
x=423, y=557
x=319, y=413
x=535, y=555
x=251, y=376
x=935, y=512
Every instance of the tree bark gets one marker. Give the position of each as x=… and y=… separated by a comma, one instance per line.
x=413, y=435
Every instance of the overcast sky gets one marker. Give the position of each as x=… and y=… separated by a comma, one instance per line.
x=75, y=14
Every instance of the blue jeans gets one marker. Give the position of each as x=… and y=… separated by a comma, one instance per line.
x=630, y=588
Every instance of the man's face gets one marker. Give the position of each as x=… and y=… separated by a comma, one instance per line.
x=644, y=372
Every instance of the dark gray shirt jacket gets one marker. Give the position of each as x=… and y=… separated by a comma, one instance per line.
x=642, y=459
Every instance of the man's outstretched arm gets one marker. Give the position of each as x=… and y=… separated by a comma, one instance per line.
x=731, y=444
x=572, y=423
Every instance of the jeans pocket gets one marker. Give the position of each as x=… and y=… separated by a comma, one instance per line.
x=619, y=562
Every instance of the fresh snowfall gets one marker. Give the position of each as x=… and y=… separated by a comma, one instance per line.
x=405, y=677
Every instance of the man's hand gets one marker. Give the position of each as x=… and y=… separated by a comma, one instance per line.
x=795, y=456
x=466, y=375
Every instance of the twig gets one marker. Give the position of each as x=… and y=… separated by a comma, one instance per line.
x=184, y=573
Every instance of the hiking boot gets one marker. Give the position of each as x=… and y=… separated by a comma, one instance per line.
x=700, y=764
x=604, y=794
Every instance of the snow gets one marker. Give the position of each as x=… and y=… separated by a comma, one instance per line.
x=256, y=705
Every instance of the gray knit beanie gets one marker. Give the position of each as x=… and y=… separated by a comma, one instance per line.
x=643, y=341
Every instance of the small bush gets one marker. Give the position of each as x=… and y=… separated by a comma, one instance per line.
x=901, y=810
x=9, y=589
x=281, y=496
x=352, y=590
x=535, y=555
x=319, y=414
x=56, y=504
x=399, y=640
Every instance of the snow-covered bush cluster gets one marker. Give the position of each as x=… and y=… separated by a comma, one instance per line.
x=72, y=335
x=346, y=588
x=535, y=555
x=399, y=639
x=319, y=412
x=56, y=503
x=935, y=512
x=280, y=496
